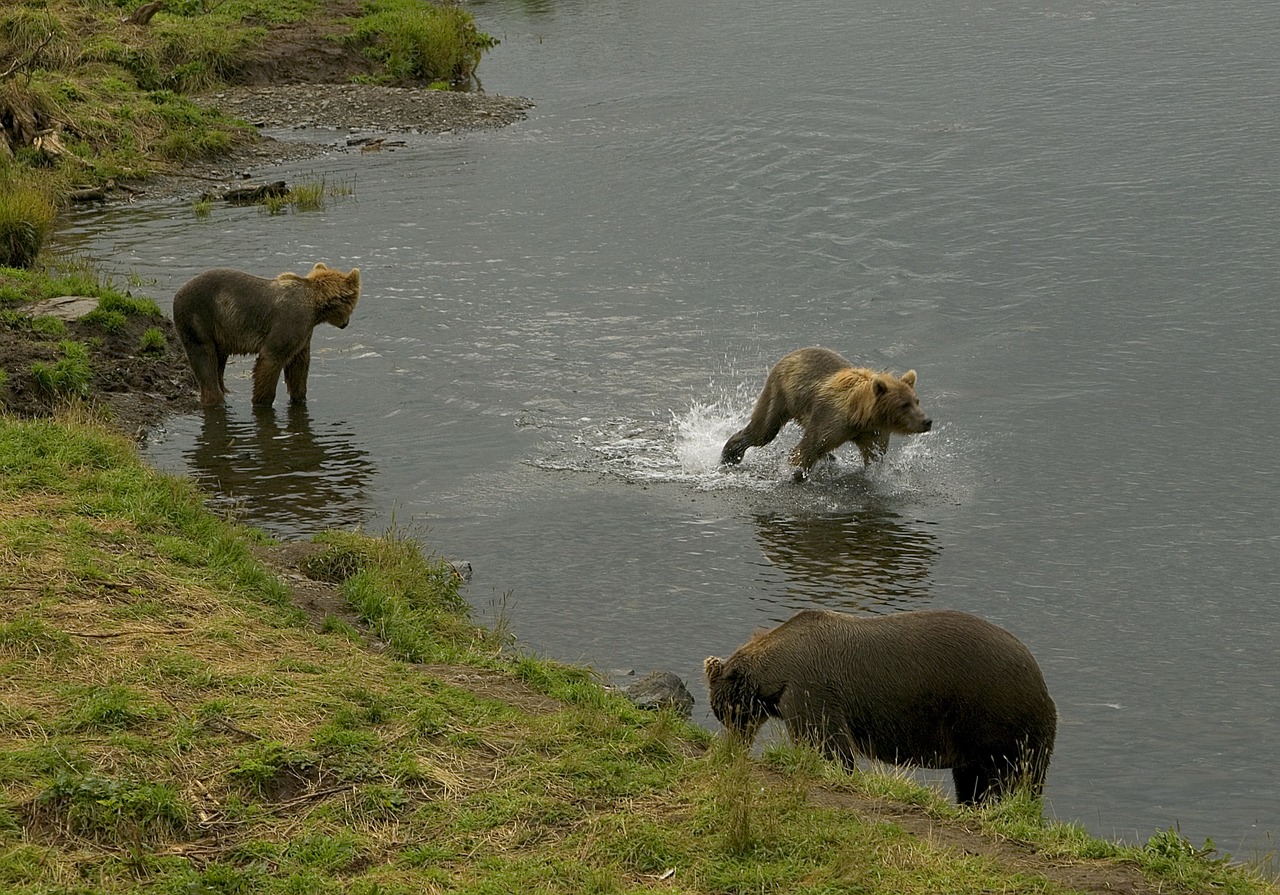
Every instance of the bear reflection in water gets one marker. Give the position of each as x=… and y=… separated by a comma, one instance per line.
x=868, y=559
x=930, y=688
x=280, y=474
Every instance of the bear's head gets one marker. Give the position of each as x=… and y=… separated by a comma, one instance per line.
x=735, y=699
x=897, y=409
x=335, y=293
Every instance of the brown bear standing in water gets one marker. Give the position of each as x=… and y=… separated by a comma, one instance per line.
x=223, y=312
x=931, y=688
x=835, y=402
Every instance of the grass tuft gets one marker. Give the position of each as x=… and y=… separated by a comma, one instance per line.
x=67, y=377
x=152, y=341
x=27, y=212
x=103, y=808
x=423, y=42
x=49, y=326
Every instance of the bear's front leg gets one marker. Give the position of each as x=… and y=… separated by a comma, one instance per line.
x=820, y=438
x=873, y=446
x=266, y=375
x=295, y=375
x=222, y=372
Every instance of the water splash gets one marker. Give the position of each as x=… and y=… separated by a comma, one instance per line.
x=685, y=449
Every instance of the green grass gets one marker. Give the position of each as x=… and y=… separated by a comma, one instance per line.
x=48, y=326
x=27, y=214
x=66, y=276
x=152, y=341
x=115, y=308
x=423, y=42
x=172, y=723
x=67, y=377
x=309, y=194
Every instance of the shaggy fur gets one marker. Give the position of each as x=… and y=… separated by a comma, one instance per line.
x=223, y=312
x=835, y=402
x=933, y=688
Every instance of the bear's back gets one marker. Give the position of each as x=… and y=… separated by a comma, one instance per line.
x=944, y=652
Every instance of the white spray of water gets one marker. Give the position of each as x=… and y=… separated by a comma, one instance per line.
x=686, y=449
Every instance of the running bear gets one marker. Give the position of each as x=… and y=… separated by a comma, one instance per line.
x=930, y=688
x=835, y=402
x=223, y=312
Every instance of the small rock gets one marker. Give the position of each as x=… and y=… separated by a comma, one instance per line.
x=64, y=307
x=658, y=690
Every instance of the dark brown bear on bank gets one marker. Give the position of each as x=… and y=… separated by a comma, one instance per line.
x=223, y=312
x=835, y=402
x=933, y=688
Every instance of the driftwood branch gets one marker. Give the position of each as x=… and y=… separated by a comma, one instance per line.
x=142, y=15
x=21, y=63
x=140, y=632
x=250, y=194
x=88, y=194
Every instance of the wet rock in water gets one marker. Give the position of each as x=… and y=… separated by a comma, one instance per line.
x=659, y=690
x=247, y=195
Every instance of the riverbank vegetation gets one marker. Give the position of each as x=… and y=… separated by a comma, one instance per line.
x=101, y=91
x=123, y=354
x=189, y=708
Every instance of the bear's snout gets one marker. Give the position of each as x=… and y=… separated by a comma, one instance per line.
x=926, y=425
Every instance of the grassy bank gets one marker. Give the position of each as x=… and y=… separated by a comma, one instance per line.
x=96, y=92
x=124, y=355
x=172, y=720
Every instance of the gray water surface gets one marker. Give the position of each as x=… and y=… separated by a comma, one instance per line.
x=1062, y=215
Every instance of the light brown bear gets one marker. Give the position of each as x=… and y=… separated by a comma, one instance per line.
x=835, y=402
x=931, y=688
x=223, y=312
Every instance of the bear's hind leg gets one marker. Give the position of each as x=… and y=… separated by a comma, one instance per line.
x=204, y=364
x=222, y=372
x=767, y=420
x=973, y=784
x=983, y=783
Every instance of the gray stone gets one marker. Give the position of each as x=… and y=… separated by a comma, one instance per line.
x=64, y=307
x=659, y=690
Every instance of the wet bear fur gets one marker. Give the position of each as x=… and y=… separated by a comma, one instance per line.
x=931, y=688
x=835, y=402
x=223, y=312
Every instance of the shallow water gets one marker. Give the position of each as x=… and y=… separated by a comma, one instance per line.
x=1061, y=215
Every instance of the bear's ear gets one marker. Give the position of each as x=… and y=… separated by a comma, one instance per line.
x=878, y=385
x=353, y=278
x=909, y=378
x=319, y=265
x=712, y=667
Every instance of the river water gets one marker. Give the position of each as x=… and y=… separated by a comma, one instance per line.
x=1062, y=214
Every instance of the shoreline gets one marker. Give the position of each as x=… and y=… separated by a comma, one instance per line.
x=366, y=112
